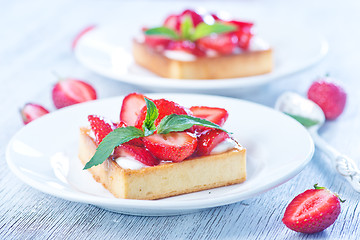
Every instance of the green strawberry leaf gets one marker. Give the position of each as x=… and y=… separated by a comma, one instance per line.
x=187, y=28
x=178, y=123
x=163, y=31
x=203, y=30
x=306, y=122
x=112, y=140
x=152, y=114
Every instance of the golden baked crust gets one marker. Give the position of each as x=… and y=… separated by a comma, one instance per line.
x=167, y=179
x=246, y=64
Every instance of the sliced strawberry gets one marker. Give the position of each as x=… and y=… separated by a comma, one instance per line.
x=156, y=41
x=312, y=211
x=139, y=153
x=186, y=46
x=70, y=91
x=131, y=107
x=174, y=146
x=243, y=33
x=32, y=111
x=212, y=114
x=222, y=43
x=165, y=107
x=100, y=127
x=195, y=17
x=172, y=22
x=208, y=140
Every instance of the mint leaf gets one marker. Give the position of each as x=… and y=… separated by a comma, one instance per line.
x=203, y=30
x=306, y=122
x=178, y=123
x=187, y=27
x=163, y=31
x=152, y=114
x=112, y=140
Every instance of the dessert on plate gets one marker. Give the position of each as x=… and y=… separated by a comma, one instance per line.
x=202, y=46
x=161, y=149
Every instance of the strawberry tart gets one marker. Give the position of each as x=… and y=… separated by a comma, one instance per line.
x=161, y=149
x=202, y=46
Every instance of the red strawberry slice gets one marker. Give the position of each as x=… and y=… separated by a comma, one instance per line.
x=174, y=146
x=212, y=114
x=172, y=22
x=72, y=91
x=100, y=127
x=32, y=111
x=131, y=107
x=195, y=17
x=208, y=140
x=165, y=107
x=243, y=33
x=156, y=41
x=137, y=141
x=186, y=46
x=312, y=211
x=222, y=43
x=139, y=153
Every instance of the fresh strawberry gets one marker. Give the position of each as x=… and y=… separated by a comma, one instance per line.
x=165, y=107
x=131, y=107
x=100, y=127
x=137, y=141
x=156, y=41
x=32, y=111
x=312, y=211
x=222, y=43
x=72, y=91
x=212, y=114
x=172, y=22
x=208, y=140
x=186, y=46
x=243, y=33
x=174, y=146
x=81, y=34
x=139, y=153
x=195, y=17
x=329, y=96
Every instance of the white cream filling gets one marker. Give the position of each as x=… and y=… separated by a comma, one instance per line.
x=129, y=163
x=224, y=146
x=180, y=55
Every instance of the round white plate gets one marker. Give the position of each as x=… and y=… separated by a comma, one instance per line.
x=43, y=154
x=107, y=52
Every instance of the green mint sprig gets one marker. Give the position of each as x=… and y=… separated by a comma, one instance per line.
x=189, y=32
x=306, y=122
x=170, y=123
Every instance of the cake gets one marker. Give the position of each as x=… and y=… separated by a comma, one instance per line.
x=162, y=163
x=194, y=46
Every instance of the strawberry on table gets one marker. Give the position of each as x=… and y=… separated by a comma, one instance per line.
x=32, y=111
x=139, y=153
x=208, y=140
x=70, y=91
x=330, y=96
x=174, y=146
x=312, y=211
x=131, y=107
x=100, y=127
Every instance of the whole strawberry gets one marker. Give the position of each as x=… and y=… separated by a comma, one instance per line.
x=32, y=111
x=312, y=211
x=329, y=96
x=70, y=91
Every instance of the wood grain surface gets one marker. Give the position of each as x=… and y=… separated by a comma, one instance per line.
x=35, y=39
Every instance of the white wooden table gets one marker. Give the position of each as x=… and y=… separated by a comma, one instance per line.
x=35, y=39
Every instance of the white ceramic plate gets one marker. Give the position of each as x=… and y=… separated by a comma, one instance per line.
x=44, y=155
x=107, y=52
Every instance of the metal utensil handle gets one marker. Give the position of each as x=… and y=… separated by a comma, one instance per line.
x=344, y=165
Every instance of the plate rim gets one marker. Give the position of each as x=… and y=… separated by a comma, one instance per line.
x=153, y=204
